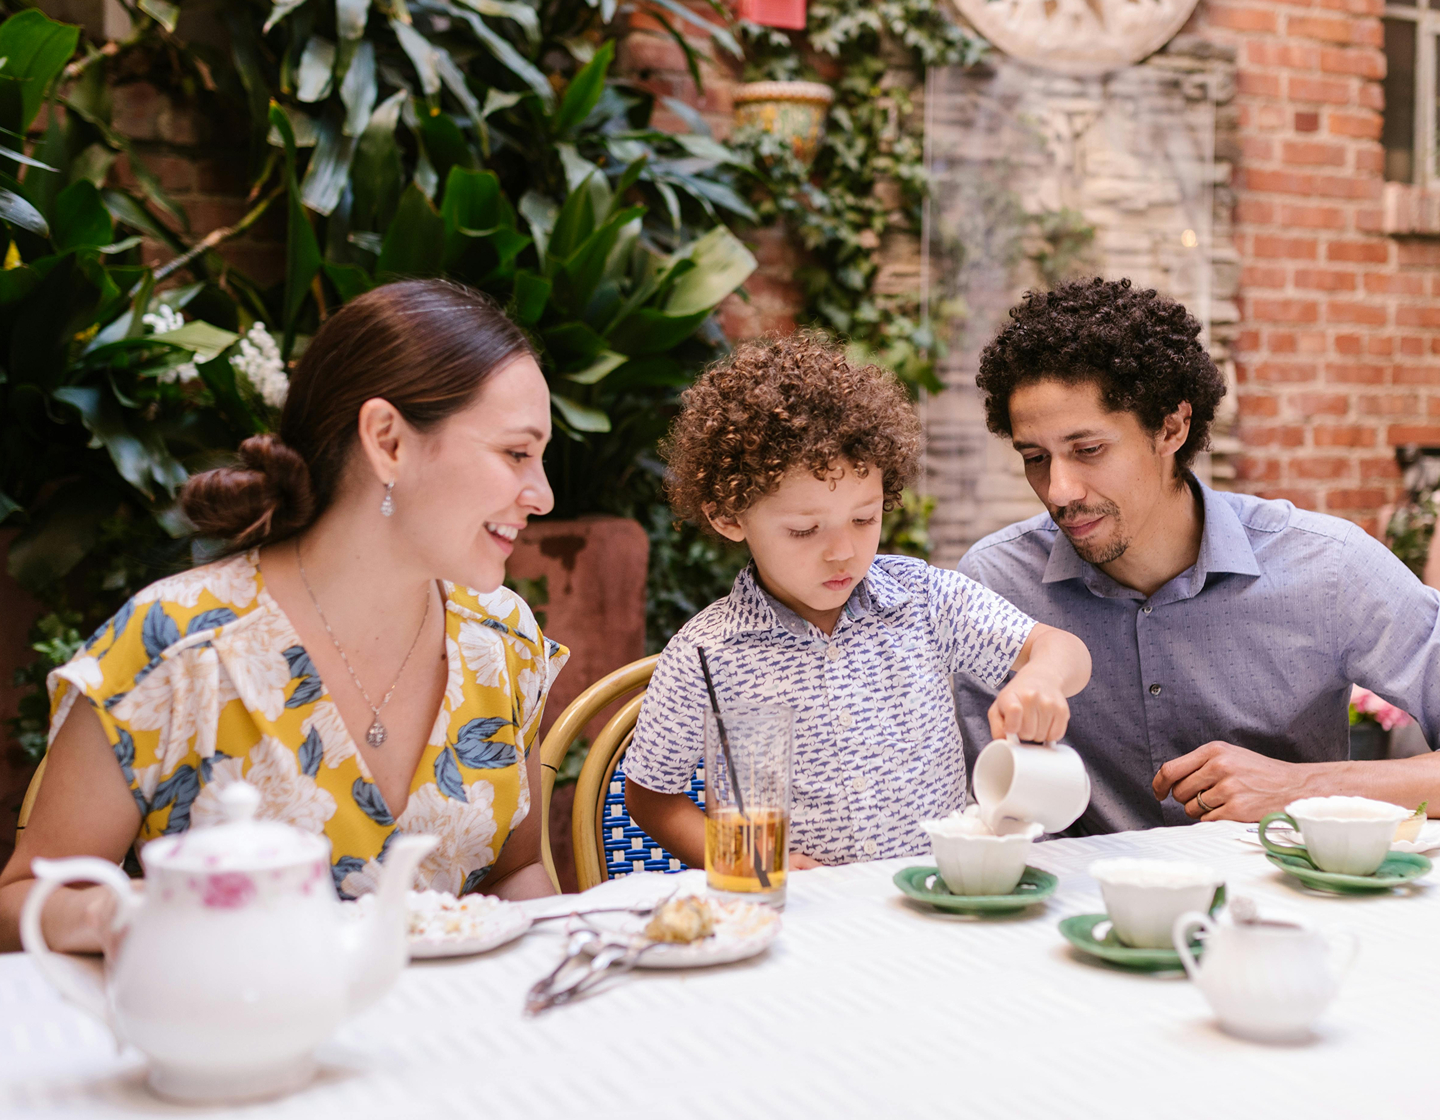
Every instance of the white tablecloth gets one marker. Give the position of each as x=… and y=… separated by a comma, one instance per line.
x=866, y=1006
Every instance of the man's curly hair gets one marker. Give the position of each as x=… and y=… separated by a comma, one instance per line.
x=775, y=404
x=1142, y=350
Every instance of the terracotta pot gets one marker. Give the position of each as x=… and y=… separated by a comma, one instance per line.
x=793, y=111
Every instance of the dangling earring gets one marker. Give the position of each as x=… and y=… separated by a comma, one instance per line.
x=387, y=505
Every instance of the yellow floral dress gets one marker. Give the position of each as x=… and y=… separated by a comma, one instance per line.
x=200, y=680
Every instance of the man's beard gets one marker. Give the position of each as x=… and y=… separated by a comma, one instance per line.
x=1094, y=551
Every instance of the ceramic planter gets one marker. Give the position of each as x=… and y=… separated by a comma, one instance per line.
x=793, y=111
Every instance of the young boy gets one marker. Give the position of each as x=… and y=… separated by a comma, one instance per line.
x=789, y=448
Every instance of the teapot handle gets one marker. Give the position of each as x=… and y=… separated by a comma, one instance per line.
x=75, y=985
x=1180, y=934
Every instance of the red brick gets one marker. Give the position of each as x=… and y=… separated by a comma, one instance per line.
x=1258, y=83
x=1257, y=149
x=1259, y=406
x=1329, y=91
x=1360, y=188
x=1369, y=158
x=1307, y=120
x=1395, y=283
x=1372, y=96
x=1319, y=467
x=1307, y=405
x=1285, y=310
x=1366, y=498
x=1270, y=181
x=1364, y=125
x=1416, y=375
x=1312, y=27
x=1287, y=248
x=1348, y=344
x=1424, y=254
x=1387, y=404
x=1325, y=279
x=1417, y=316
x=1382, y=346
x=1303, y=497
x=1354, y=373
x=1254, y=210
x=1281, y=53
x=1252, y=468
x=1312, y=153
x=1293, y=372
x=1343, y=435
x=1312, y=217
x=1368, y=252
x=1427, y=434
x=1432, y=408
x=1367, y=32
x=1272, y=435
x=1372, y=470
x=1262, y=276
x=640, y=53
x=1345, y=311
x=1359, y=61
x=1247, y=340
x=1368, y=219
x=1236, y=17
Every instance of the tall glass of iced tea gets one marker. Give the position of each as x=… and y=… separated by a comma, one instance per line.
x=747, y=801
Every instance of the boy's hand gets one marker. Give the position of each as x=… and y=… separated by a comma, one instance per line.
x=1031, y=706
x=801, y=862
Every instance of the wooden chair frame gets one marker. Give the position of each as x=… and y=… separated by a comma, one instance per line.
x=599, y=766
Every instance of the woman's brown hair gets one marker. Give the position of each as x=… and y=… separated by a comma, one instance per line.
x=426, y=346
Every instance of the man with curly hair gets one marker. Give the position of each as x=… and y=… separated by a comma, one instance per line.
x=789, y=448
x=1227, y=630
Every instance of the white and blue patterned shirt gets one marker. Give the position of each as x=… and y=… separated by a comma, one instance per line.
x=877, y=746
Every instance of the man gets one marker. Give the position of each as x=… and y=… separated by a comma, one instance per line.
x=1226, y=630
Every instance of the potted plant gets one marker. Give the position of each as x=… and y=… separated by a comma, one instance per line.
x=792, y=111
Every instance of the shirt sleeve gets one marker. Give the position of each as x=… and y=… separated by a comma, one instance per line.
x=669, y=740
x=1390, y=636
x=979, y=632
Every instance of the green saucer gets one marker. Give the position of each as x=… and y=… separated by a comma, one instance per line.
x=1398, y=870
x=1080, y=932
x=924, y=884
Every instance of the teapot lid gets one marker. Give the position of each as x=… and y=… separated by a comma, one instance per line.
x=240, y=843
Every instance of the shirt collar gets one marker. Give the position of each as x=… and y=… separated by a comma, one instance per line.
x=1224, y=547
x=751, y=609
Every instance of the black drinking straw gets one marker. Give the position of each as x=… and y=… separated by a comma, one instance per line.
x=730, y=766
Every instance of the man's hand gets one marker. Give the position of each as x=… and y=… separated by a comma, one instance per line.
x=1032, y=706
x=801, y=862
x=1234, y=784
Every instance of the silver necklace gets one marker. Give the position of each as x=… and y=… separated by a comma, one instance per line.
x=377, y=734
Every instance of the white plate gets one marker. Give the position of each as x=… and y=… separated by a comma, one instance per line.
x=1283, y=834
x=742, y=930
x=500, y=923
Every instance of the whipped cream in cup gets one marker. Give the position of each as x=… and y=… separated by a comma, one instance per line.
x=972, y=859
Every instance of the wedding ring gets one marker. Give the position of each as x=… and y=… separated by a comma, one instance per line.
x=1199, y=800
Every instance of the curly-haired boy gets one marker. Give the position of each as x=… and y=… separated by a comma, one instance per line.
x=789, y=448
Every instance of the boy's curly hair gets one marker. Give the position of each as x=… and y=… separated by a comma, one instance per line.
x=1141, y=349
x=778, y=403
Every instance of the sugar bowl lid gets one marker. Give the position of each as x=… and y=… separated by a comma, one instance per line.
x=240, y=843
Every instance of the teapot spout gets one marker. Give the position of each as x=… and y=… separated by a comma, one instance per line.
x=379, y=945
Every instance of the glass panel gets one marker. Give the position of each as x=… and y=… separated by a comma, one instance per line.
x=1399, y=131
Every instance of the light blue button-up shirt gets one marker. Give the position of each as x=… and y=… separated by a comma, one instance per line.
x=877, y=748
x=1256, y=644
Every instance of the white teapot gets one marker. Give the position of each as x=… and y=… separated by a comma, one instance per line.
x=1264, y=979
x=238, y=960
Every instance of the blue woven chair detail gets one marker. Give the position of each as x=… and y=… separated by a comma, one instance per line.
x=628, y=848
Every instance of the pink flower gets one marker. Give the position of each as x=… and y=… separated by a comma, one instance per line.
x=1387, y=715
x=228, y=890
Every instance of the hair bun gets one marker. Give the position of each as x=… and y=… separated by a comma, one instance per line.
x=264, y=499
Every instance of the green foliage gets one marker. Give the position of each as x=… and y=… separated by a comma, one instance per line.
x=1066, y=241
x=906, y=528
x=1411, y=528
x=868, y=179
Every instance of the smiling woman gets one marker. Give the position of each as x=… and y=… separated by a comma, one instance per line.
x=352, y=653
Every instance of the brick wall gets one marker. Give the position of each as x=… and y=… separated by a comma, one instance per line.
x=1338, y=356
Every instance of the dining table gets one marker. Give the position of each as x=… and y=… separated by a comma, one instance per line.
x=867, y=1004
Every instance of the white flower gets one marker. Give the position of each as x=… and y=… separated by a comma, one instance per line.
x=357, y=884
x=464, y=829
x=335, y=742
x=163, y=320
x=252, y=650
x=260, y=362
x=232, y=582
x=147, y=779
x=84, y=672
x=484, y=652
x=182, y=698
x=286, y=794
x=207, y=808
x=181, y=373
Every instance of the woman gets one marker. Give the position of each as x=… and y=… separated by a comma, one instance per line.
x=353, y=653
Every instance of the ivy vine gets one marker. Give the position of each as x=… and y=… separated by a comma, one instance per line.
x=868, y=181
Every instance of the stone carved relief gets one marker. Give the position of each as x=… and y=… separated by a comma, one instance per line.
x=1078, y=37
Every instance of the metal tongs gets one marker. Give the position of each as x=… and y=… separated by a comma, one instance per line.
x=592, y=956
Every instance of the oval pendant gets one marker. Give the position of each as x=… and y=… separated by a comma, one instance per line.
x=377, y=733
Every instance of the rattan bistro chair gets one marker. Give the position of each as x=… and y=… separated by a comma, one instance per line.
x=607, y=842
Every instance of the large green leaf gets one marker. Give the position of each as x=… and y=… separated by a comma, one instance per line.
x=581, y=417
x=445, y=145
x=649, y=331
x=415, y=242
x=376, y=171
x=350, y=16
x=574, y=223
x=350, y=280
x=35, y=49
x=15, y=208
x=328, y=171
x=722, y=264
x=540, y=213
x=421, y=54
x=316, y=75
x=584, y=90
x=358, y=90
x=598, y=370
x=81, y=218
x=573, y=345
x=204, y=341
x=523, y=14
x=302, y=251
x=142, y=460
x=506, y=54
x=62, y=530
x=531, y=294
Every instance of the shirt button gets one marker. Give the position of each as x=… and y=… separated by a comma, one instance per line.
x=870, y=847
x=846, y=719
x=833, y=652
x=1147, y=610
x=1154, y=690
x=860, y=785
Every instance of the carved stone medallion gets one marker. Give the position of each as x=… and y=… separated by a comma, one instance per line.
x=1079, y=37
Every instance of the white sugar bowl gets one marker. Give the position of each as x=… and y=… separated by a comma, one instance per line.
x=236, y=961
